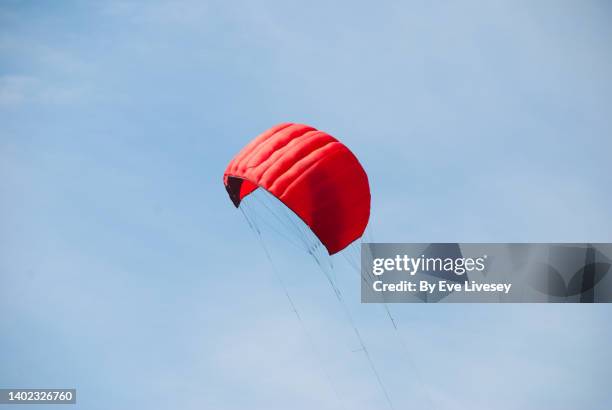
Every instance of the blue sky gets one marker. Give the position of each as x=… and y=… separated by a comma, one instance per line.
x=126, y=272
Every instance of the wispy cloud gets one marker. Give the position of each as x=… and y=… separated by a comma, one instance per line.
x=18, y=90
x=163, y=12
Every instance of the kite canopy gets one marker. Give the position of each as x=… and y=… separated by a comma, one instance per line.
x=312, y=173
